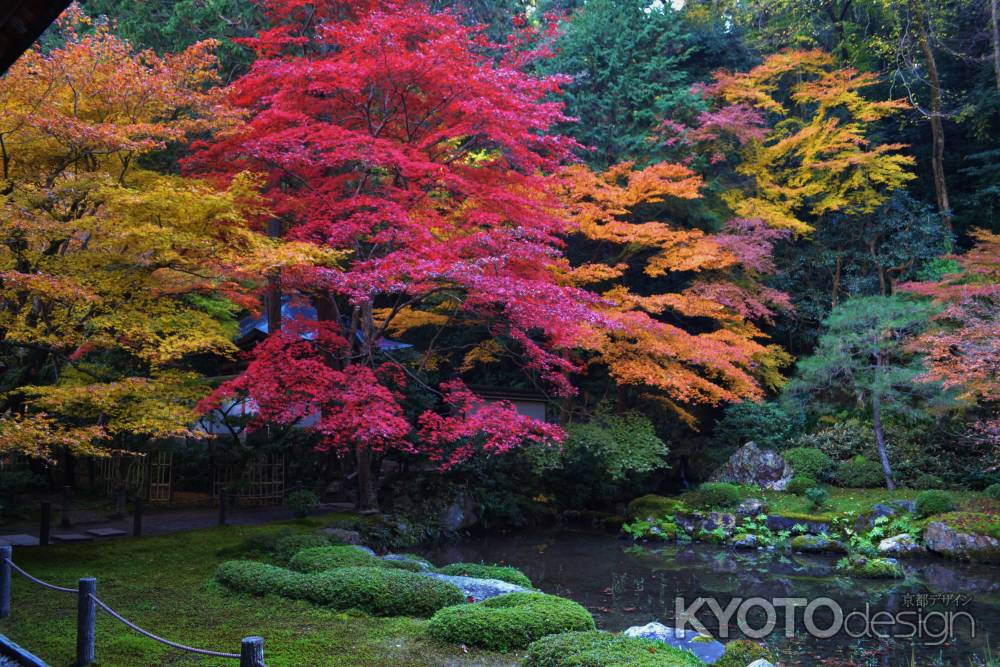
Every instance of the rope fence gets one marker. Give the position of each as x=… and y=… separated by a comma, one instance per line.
x=251, y=648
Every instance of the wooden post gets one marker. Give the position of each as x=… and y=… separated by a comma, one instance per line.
x=67, y=504
x=86, y=617
x=252, y=652
x=6, y=554
x=222, y=507
x=137, y=517
x=45, y=524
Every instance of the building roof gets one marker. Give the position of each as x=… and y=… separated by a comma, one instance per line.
x=21, y=23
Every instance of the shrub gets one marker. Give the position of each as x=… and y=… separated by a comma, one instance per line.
x=320, y=559
x=287, y=546
x=501, y=572
x=742, y=652
x=809, y=462
x=800, y=483
x=719, y=494
x=934, y=502
x=377, y=591
x=766, y=424
x=860, y=473
x=927, y=481
x=993, y=491
x=653, y=506
x=302, y=502
x=841, y=441
x=817, y=497
x=509, y=621
x=601, y=649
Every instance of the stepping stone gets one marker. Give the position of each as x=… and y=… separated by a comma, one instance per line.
x=71, y=537
x=106, y=532
x=19, y=540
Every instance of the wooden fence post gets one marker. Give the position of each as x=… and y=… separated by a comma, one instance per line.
x=45, y=524
x=137, y=517
x=252, y=652
x=6, y=554
x=86, y=616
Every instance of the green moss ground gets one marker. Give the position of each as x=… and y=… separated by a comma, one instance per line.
x=165, y=584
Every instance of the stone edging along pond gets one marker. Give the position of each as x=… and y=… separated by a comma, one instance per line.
x=889, y=530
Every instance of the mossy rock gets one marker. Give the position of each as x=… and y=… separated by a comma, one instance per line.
x=872, y=568
x=480, y=571
x=814, y=544
x=509, y=622
x=601, y=649
x=655, y=506
x=972, y=536
x=320, y=559
x=377, y=591
x=742, y=652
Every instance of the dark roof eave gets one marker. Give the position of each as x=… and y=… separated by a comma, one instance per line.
x=21, y=23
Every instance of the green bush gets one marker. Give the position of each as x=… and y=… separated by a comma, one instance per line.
x=602, y=649
x=933, y=502
x=860, y=473
x=654, y=506
x=287, y=546
x=376, y=590
x=926, y=481
x=817, y=497
x=993, y=491
x=841, y=441
x=503, y=573
x=809, y=462
x=509, y=621
x=320, y=559
x=742, y=652
x=800, y=483
x=302, y=502
x=719, y=494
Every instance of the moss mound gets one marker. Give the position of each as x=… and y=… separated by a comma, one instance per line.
x=320, y=559
x=871, y=568
x=742, y=652
x=509, y=621
x=289, y=545
x=376, y=590
x=503, y=573
x=601, y=649
x=655, y=506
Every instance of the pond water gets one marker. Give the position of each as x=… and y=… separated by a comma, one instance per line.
x=625, y=585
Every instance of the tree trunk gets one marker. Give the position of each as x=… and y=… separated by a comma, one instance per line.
x=835, y=290
x=367, y=498
x=995, y=33
x=936, y=113
x=880, y=440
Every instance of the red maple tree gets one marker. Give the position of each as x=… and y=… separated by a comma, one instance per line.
x=396, y=138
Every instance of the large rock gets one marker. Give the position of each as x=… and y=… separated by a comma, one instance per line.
x=817, y=544
x=901, y=545
x=476, y=589
x=461, y=514
x=945, y=540
x=704, y=647
x=752, y=507
x=750, y=464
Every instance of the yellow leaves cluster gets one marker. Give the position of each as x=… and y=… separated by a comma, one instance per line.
x=39, y=436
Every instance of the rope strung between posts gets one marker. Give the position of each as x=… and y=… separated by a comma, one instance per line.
x=35, y=580
x=100, y=603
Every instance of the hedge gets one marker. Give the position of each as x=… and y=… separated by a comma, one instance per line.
x=510, y=621
x=375, y=590
x=601, y=649
x=320, y=559
x=503, y=573
x=809, y=462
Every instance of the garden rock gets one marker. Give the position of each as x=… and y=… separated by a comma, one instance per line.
x=751, y=507
x=401, y=558
x=707, y=649
x=745, y=542
x=476, y=589
x=460, y=514
x=866, y=521
x=901, y=545
x=941, y=538
x=904, y=506
x=750, y=464
x=777, y=523
x=343, y=535
x=814, y=544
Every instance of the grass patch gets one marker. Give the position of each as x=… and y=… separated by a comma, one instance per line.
x=165, y=584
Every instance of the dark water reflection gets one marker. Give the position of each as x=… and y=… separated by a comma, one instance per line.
x=624, y=585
